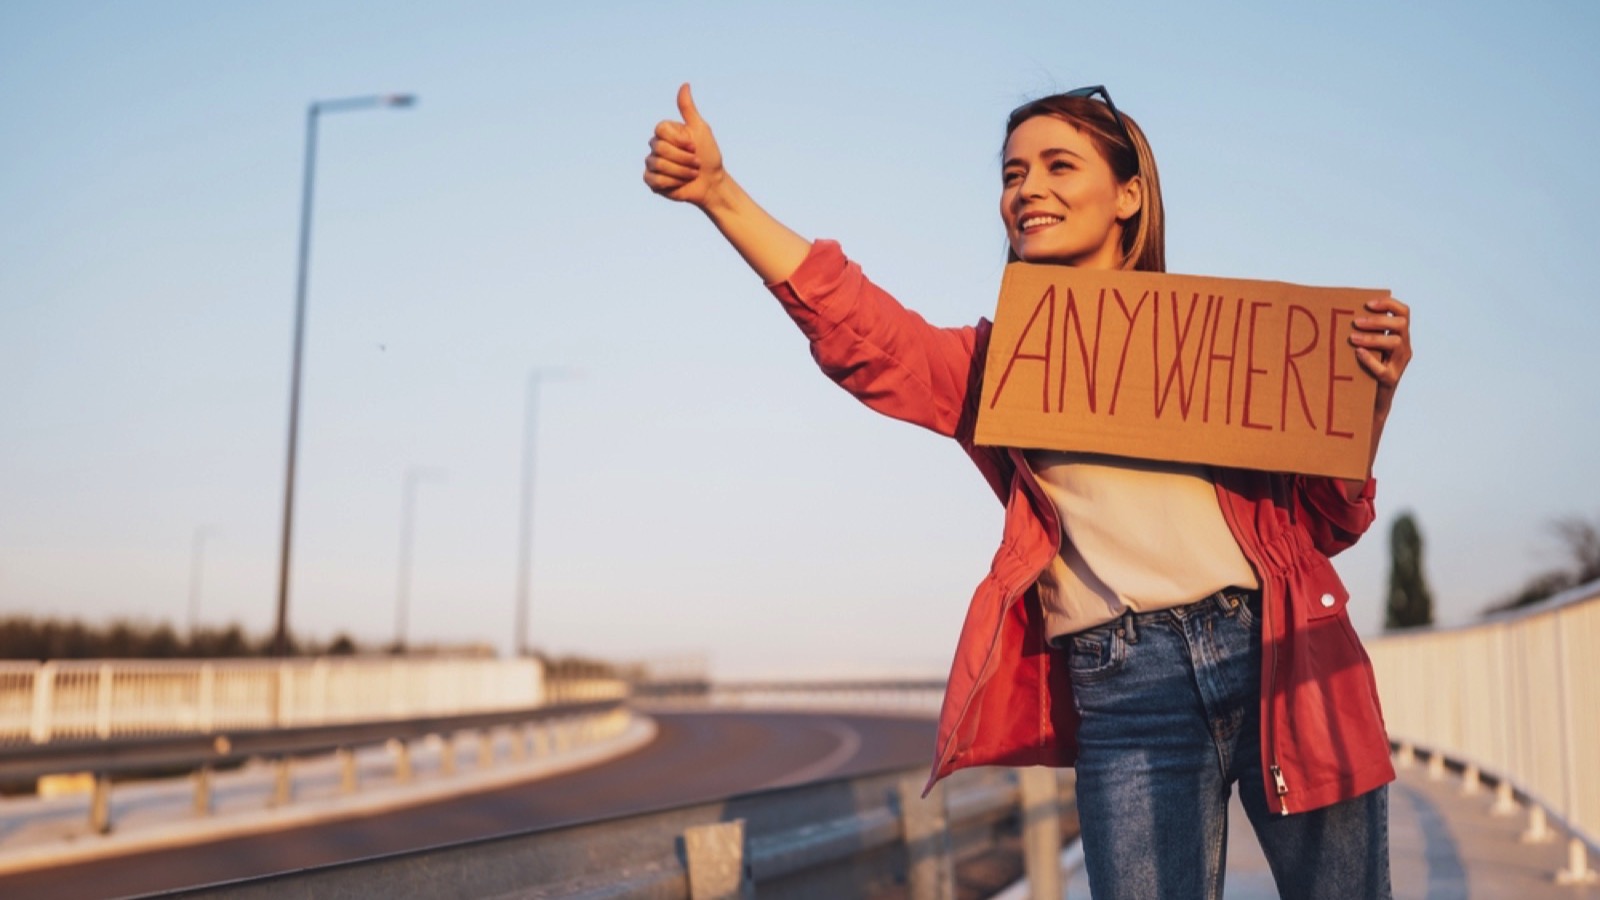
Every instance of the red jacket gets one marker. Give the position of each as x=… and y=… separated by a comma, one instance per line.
x=1009, y=700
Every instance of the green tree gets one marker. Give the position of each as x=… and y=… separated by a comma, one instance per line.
x=1581, y=540
x=1410, y=601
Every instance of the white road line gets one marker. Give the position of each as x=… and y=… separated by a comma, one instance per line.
x=849, y=745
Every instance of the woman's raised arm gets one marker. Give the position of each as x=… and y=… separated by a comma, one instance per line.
x=685, y=164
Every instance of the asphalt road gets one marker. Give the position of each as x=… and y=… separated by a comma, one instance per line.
x=695, y=757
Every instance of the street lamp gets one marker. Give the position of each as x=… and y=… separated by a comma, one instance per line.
x=196, y=565
x=530, y=423
x=415, y=475
x=280, y=636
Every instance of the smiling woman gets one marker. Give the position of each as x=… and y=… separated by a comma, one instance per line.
x=1079, y=186
x=1169, y=629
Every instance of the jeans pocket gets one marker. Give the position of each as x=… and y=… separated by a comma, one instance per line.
x=1096, y=654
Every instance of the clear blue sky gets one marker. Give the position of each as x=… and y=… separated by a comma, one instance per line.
x=702, y=489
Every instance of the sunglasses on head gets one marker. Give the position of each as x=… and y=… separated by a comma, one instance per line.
x=1105, y=95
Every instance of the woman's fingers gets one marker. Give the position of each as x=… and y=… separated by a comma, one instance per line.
x=672, y=152
x=1382, y=339
x=675, y=133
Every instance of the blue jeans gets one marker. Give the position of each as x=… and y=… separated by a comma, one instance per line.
x=1170, y=704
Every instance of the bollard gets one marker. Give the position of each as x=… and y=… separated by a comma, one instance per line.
x=1436, y=766
x=1406, y=757
x=1538, y=830
x=1505, y=799
x=283, y=783
x=1469, y=780
x=1041, y=831
x=1577, y=870
x=714, y=855
x=349, y=778
x=202, y=790
x=930, y=868
x=100, y=804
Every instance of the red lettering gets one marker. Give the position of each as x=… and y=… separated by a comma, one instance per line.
x=1334, y=378
x=1289, y=365
x=1250, y=371
x=1175, y=370
x=1091, y=366
x=1212, y=356
x=1116, y=387
x=1017, y=354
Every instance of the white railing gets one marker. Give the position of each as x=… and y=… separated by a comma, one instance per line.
x=77, y=700
x=1516, y=697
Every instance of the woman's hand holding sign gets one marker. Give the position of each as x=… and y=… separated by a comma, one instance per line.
x=1383, y=346
x=685, y=164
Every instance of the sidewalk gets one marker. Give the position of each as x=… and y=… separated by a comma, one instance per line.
x=36, y=831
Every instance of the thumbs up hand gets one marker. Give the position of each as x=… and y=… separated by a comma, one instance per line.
x=685, y=163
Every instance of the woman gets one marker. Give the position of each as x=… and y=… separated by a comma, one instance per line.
x=1168, y=629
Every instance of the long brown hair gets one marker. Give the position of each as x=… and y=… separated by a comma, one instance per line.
x=1144, y=235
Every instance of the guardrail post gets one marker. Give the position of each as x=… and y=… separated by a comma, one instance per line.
x=485, y=748
x=282, y=782
x=349, y=777
x=100, y=804
x=1041, y=831
x=930, y=870
x=202, y=790
x=447, y=754
x=714, y=856
x=402, y=759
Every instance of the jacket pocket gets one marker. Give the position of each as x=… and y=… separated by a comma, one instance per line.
x=1320, y=592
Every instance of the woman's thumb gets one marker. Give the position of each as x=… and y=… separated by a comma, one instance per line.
x=686, y=108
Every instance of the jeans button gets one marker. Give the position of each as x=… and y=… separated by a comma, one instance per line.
x=1327, y=600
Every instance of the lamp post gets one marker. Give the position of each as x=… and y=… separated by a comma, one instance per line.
x=530, y=424
x=415, y=475
x=196, y=567
x=280, y=636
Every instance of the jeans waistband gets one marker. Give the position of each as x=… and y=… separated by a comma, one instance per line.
x=1227, y=601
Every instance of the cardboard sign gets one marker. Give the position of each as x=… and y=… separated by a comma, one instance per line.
x=1224, y=371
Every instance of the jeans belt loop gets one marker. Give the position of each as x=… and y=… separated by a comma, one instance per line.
x=1131, y=634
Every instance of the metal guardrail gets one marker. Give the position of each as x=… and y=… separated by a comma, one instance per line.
x=538, y=729
x=852, y=837
x=1516, y=699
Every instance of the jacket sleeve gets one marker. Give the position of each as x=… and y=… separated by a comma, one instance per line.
x=1334, y=520
x=889, y=357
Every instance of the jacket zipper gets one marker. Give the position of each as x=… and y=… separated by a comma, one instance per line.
x=1006, y=599
x=1279, y=783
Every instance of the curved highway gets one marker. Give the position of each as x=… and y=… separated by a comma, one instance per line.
x=695, y=757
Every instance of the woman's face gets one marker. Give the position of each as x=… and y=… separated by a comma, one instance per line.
x=1059, y=199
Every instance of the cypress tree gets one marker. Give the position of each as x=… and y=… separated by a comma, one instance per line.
x=1410, y=602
